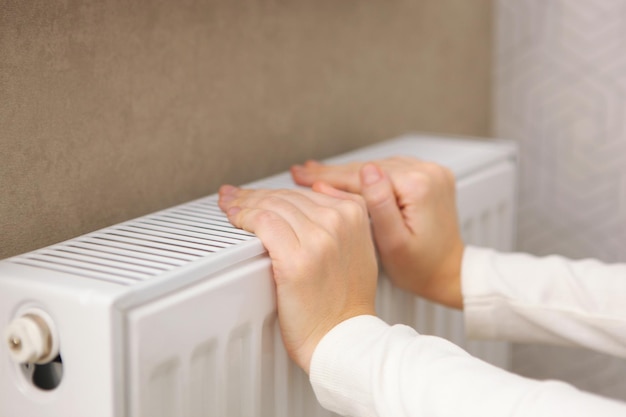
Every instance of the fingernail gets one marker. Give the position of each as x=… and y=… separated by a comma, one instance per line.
x=227, y=189
x=370, y=174
x=233, y=211
x=226, y=198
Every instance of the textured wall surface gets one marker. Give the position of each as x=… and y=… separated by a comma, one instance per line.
x=112, y=109
x=560, y=91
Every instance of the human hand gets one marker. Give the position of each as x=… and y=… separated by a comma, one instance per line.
x=413, y=211
x=322, y=254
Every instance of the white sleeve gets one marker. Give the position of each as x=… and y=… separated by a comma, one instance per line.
x=366, y=368
x=552, y=300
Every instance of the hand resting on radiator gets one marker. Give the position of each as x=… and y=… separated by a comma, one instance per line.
x=325, y=272
x=414, y=220
x=322, y=255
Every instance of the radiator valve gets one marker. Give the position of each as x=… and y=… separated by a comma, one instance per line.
x=31, y=338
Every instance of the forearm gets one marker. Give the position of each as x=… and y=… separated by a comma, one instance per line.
x=551, y=300
x=364, y=367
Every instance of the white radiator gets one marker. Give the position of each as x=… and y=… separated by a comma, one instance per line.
x=173, y=314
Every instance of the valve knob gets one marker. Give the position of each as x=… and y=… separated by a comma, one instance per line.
x=30, y=340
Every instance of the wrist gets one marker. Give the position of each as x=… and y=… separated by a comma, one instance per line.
x=304, y=355
x=445, y=284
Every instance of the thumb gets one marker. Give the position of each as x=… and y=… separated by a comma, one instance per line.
x=387, y=221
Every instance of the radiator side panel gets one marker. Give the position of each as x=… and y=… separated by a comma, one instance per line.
x=215, y=349
x=82, y=318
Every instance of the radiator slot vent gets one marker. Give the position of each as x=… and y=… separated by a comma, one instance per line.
x=143, y=248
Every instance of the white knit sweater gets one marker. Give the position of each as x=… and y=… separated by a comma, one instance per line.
x=364, y=367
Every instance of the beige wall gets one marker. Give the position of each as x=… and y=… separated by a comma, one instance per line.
x=109, y=111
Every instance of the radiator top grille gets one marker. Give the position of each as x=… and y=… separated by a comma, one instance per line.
x=145, y=247
x=155, y=244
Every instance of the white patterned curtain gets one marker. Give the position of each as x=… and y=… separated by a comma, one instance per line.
x=560, y=92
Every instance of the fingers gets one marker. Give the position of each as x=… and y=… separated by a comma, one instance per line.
x=344, y=177
x=387, y=187
x=305, y=212
x=388, y=224
x=327, y=189
x=273, y=228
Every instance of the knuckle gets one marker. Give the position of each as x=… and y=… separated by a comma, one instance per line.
x=264, y=217
x=421, y=185
x=353, y=209
x=439, y=171
x=270, y=200
x=282, y=192
x=432, y=168
x=419, y=179
x=324, y=241
x=333, y=217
